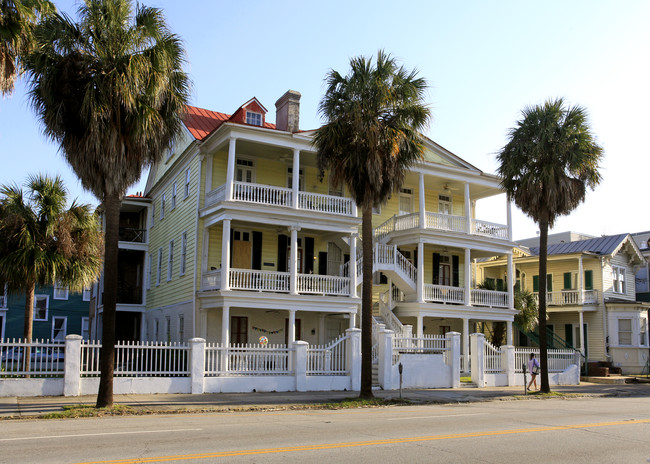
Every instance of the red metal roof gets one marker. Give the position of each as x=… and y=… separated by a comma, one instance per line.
x=201, y=122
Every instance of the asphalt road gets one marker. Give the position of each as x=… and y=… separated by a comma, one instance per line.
x=589, y=430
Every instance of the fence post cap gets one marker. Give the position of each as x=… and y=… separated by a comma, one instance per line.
x=197, y=340
x=300, y=342
x=73, y=337
x=353, y=330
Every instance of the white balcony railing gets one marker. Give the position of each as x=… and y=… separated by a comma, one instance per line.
x=326, y=204
x=570, y=297
x=279, y=196
x=261, y=281
x=489, y=298
x=262, y=194
x=323, y=284
x=448, y=222
x=444, y=294
x=438, y=221
x=489, y=229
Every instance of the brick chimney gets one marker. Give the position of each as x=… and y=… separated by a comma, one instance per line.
x=287, y=111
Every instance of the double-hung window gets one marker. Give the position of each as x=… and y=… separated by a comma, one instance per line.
x=59, y=328
x=174, y=195
x=170, y=260
x=254, y=119
x=41, y=304
x=188, y=173
x=159, y=270
x=618, y=279
x=60, y=291
x=625, y=331
x=162, y=207
x=87, y=291
x=183, y=253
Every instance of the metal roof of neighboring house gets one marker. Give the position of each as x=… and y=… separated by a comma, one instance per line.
x=600, y=246
x=201, y=122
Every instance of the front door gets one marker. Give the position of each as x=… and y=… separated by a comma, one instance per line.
x=239, y=329
x=445, y=274
x=242, y=250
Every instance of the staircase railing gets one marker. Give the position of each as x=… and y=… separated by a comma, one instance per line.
x=390, y=319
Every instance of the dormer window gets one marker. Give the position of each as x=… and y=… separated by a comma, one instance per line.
x=254, y=119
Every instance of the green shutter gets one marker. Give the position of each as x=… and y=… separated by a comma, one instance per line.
x=589, y=280
x=535, y=283
x=567, y=281
x=500, y=285
x=568, y=334
x=549, y=283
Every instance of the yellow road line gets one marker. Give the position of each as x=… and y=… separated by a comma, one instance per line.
x=390, y=441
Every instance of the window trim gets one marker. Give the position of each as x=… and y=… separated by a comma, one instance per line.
x=85, y=327
x=86, y=291
x=47, y=306
x=173, y=199
x=618, y=280
x=630, y=332
x=65, y=327
x=188, y=175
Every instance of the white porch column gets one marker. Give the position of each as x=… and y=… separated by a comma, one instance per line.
x=509, y=213
x=467, y=279
x=468, y=212
x=353, y=265
x=225, y=325
x=509, y=337
x=230, y=170
x=293, y=261
x=581, y=287
x=208, y=173
x=582, y=332
x=420, y=282
x=420, y=329
x=465, y=336
x=353, y=321
x=511, y=283
x=205, y=250
x=295, y=178
x=292, y=326
x=225, y=255
x=423, y=210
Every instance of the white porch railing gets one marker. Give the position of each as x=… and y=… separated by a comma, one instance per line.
x=211, y=280
x=323, y=284
x=558, y=360
x=326, y=203
x=439, y=221
x=262, y=194
x=262, y=281
x=569, y=297
x=246, y=359
x=390, y=319
x=330, y=359
x=489, y=298
x=427, y=344
x=444, y=294
x=389, y=255
x=489, y=229
x=491, y=358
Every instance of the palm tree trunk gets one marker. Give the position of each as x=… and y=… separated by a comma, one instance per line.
x=543, y=342
x=29, y=323
x=366, y=305
x=107, y=355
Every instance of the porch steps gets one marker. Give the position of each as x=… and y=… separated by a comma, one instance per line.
x=375, y=377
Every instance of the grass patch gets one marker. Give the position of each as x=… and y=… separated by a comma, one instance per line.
x=84, y=410
x=352, y=403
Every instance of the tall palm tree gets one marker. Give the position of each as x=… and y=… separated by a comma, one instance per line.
x=374, y=117
x=111, y=90
x=546, y=166
x=17, y=21
x=43, y=243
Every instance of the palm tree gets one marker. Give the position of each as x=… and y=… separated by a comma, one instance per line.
x=111, y=91
x=42, y=242
x=374, y=117
x=17, y=21
x=546, y=166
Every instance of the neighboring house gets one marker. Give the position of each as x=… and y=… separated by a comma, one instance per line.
x=245, y=240
x=132, y=256
x=57, y=313
x=642, y=281
x=591, y=297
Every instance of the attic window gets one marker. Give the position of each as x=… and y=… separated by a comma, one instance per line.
x=254, y=119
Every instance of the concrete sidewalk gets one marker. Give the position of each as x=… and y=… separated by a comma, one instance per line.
x=161, y=403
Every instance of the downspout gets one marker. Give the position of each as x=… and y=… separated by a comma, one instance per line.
x=196, y=245
x=605, y=327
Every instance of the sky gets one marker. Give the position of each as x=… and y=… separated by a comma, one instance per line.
x=484, y=62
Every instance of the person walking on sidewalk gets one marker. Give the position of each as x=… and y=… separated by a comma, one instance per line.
x=533, y=368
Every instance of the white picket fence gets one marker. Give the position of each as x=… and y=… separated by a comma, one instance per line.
x=46, y=358
x=138, y=359
x=558, y=360
x=330, y=359
x=491, y=358
x=246, y=359
x=427, y=344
